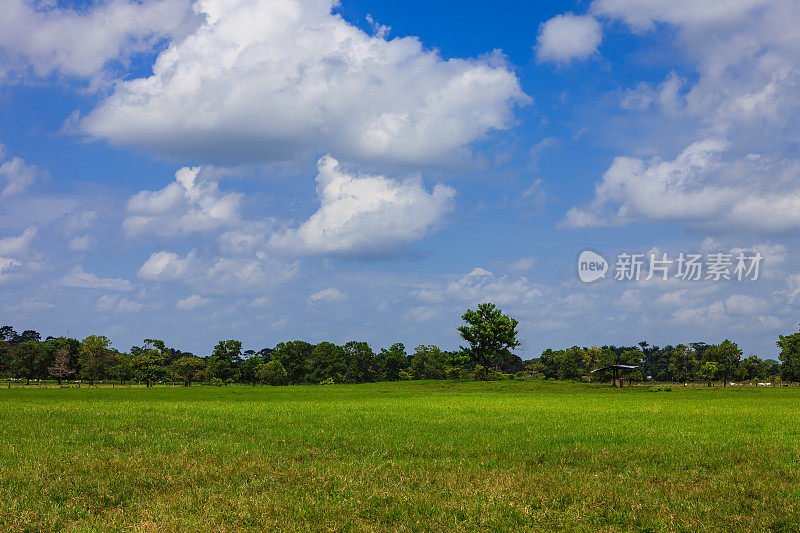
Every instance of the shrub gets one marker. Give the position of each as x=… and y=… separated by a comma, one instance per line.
x=272, y=373
x=328, y=381
x=405, y=376
x=480, y=373
x=453, y=373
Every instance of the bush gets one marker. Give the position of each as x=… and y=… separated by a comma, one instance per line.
x=453, y=373
x=217, y=382
x=272, y=373
x=405, y=376
x=660, y=389
x=328, y=381
x=480, y=373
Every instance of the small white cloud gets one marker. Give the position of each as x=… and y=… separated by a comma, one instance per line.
x=17, y=176
x=522, y=265
x=479, y=286
x=166, y=266
x=742, y=304
x=80, y=244
x=363, y=215
x=30, y=305
x=567, y=37
x=19, y=244
x=114, y=304
x=189, y=204
x=666, y=96
x=330, y=294
x=79, y=278
x=192, y=302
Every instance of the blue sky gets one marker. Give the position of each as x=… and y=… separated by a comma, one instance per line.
x=275, y=169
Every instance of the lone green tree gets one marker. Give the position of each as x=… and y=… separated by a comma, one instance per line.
x=492, y=335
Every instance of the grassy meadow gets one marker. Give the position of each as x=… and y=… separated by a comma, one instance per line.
x=400, y=456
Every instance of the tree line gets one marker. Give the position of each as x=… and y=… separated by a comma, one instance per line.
x=490, y=336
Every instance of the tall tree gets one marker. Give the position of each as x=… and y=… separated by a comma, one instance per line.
x=94, y=357
x=224, y=362
x=789, y=356
x=492, y=335
x=428, y=362
x=27, y=360
x=682, y=363
x=752, y=368
x=294, y=356
x=187, y=369
x=727, y=355
x=327, y=361
x=249, y=367
x=360, y=361
x=61, y=368
x=7, y=333
x=390, y=361
x=709, y=372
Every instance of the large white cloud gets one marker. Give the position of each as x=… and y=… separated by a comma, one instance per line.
x=262, y=79
x=566, y=37
x=39, y=37
x=363, y=215
x=742, y=111
x=699, y=187
x=745, y=53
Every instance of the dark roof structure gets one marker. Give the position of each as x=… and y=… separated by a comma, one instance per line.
x=619, y=367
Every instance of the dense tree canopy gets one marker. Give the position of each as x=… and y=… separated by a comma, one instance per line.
x=491, y=335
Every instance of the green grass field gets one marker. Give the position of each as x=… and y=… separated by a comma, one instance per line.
x=410, y=456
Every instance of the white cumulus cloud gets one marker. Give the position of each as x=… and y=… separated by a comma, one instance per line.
x=263, y=79
x=77, y=277
x=187, y=205
x=192, y=302
x=16, y=176
x=40, y=37
x=362, y=214
x=18, y=244
x=331, y=294
x=698, y=187
x=567, y=37
x=166, y=266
